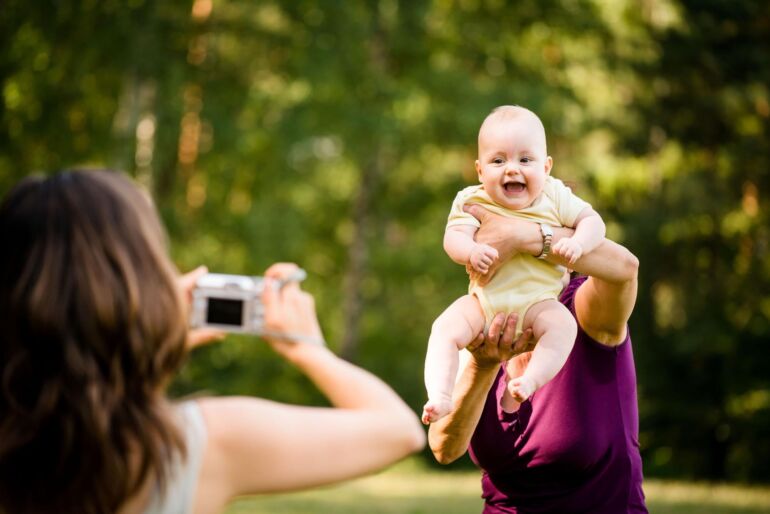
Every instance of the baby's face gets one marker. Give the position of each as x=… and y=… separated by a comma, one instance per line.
x=513, y=164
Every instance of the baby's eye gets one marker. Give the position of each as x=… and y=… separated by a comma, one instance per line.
x=497, y=160
x=526, y=159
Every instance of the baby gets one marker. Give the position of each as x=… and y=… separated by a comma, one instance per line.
x=513, y=167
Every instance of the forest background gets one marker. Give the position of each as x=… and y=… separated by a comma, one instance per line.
x=336, y=134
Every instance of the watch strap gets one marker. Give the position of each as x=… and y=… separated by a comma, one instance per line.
x=547, y=232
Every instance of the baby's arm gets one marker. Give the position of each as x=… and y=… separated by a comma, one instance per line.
x=589, y=232
x=460, y=246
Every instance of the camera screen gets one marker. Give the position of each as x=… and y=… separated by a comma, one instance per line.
x=225, y=312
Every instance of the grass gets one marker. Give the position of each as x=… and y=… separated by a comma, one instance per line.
x=412, y=488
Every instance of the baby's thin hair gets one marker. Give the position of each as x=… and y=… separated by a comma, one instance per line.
x=509, y=112
x=505, y=112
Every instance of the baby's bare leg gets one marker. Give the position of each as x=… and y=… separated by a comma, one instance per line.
x=554, y=328
x=452, y=331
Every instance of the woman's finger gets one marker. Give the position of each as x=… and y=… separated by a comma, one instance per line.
x=200, y=336
x=476, y=211
x=524, y=342
x=281, y=270
x=188, y=280
x=495, y=328
x=476, y=343
x=509, y=331
x=271, y=300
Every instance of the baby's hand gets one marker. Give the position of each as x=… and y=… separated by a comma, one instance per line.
x=482, y=257
x=568, y=248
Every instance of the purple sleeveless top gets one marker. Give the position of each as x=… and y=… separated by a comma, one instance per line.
x=573, y=447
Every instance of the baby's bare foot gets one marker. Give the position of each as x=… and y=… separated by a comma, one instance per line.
x=434, y=411
x=521, y=388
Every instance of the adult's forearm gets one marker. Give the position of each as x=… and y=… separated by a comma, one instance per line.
x=344, y=384
x=450, y=436
x=609, y=261
x=349, y=387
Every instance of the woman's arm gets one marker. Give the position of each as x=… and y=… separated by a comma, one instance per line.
x=450, y=436
x=603, y=307
x=604, y=303
x=259, y=446
x=609, y=261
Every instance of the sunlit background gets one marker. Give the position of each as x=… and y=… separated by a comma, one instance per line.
x=335, y=134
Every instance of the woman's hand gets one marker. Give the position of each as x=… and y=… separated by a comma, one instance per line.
x=498, y=344
x=450, y=436
x=290, y=316
x=506, y=235
x=197, y=336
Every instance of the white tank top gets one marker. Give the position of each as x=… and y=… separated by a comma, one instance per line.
x=183, y=473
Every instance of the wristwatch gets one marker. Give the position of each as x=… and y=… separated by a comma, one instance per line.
x=547, y=232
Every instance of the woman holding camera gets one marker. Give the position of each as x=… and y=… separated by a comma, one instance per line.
x=94, y=326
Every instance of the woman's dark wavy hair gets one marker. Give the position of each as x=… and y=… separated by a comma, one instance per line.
x=92, y=327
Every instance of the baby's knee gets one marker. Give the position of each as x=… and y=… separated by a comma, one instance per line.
x=558, y=319
x=442, y=324
x=566, y=325
x=450, y=334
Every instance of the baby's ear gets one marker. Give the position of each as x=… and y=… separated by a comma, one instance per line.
x=548, y=165
x=478, y=169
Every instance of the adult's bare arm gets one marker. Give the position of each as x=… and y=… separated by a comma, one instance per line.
x=450, y=436
x=609, y=261
x=258, y=446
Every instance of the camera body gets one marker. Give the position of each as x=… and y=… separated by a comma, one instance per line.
x=232, y=303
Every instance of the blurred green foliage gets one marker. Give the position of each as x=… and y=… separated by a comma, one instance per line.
x=335, y=134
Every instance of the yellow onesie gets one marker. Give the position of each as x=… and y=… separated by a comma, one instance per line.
x=523, y=280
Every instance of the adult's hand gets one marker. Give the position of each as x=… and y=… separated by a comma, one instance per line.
x=197, y=336
x=499, y=343
x=290, y=315
x=507, y=235
x=450, y=436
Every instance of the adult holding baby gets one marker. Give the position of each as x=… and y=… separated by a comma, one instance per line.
x=94, y=326
x=514, y=171
x=572, y=447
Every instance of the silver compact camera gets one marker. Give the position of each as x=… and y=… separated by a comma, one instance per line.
x=232, y=303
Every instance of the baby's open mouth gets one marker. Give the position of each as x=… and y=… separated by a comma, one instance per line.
x=514, y=187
